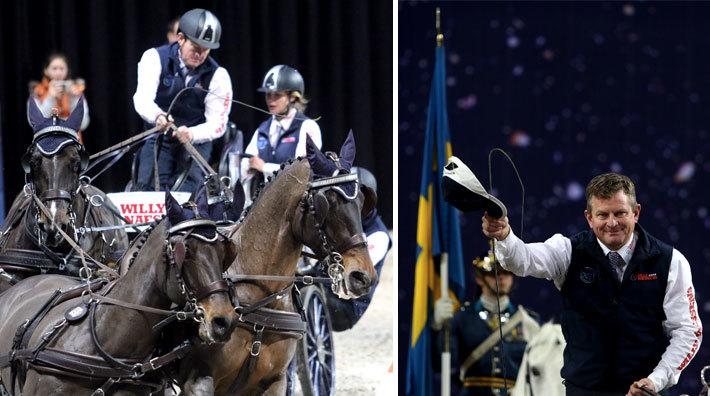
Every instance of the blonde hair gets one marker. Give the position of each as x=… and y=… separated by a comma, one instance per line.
x=300, y=102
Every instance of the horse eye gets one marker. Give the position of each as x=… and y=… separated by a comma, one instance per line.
x=535, y=371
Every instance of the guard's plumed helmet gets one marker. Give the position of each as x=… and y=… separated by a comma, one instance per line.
x=488, y=265
x=282, y=78
x=201, y=27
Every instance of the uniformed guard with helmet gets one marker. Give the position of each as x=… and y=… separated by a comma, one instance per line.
x=283, y=135
x=200, y=113
x=478, y=362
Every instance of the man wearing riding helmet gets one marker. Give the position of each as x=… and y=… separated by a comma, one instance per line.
x=476, y=355
x=345, y=313
x=200, y=114
x=282, y=136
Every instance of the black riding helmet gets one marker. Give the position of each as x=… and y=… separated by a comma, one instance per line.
x=365, y=177
x=201, y=27
x=282, y=78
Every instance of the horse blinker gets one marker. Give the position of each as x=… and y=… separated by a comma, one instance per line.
x=179, y=253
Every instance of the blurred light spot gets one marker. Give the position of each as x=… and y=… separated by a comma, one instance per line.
x=467, y=102
x=519, y=138
x=548, y=54
x=513, y=42
x=598, y=39
x=684, y=173
x=557, y=157
x=575, y=191
x=702, y=212
x=454, y=58
x=450, y=81
x=616, y=167
x=628, y=10
x=518, y=70
x=540, y=41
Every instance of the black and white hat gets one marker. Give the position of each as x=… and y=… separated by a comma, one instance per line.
x=462, y=189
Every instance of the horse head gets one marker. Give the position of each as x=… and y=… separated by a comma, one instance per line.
x=332, y=219
x=540, y=368
x=52, y=165
x=200, y=254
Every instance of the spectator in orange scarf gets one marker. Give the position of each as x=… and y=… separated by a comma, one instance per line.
x=57, y=90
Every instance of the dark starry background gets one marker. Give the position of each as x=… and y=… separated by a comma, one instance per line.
x=569, y=90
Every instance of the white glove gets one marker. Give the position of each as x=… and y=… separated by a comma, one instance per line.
x=443, y=312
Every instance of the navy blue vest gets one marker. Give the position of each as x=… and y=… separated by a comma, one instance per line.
x=613, y=330
x=189, y=108
x=286, y=145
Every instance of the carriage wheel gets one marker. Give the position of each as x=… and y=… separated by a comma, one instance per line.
x=315, y=353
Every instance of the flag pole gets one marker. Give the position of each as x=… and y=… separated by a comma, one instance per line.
x=444, y=273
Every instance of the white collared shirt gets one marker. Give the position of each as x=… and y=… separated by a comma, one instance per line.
x=309, y=127
x=626, y=252
x=551, y=260
x=218, y=102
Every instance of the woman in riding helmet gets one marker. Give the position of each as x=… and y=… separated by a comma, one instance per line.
x=282, y=136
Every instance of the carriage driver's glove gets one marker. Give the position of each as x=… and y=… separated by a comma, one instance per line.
x=443, y=312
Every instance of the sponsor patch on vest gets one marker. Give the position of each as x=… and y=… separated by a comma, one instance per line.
x=288, y=139
x=261, y=142
x=588, y=275
x=644, y=277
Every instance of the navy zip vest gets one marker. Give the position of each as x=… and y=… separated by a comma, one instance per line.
x=189, y=108
x=286, y=145
x=614, y=329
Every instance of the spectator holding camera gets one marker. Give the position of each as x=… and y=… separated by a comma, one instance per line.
x=58, y=90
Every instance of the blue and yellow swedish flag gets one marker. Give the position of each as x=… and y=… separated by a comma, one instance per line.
x=437, y=232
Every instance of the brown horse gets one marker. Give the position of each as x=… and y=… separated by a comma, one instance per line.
x=31, y=241
x=305, y=204
x=63, y=350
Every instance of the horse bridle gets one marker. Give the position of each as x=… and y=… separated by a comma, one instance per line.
x=176, y=256
x=53, y=194
x=317, y=204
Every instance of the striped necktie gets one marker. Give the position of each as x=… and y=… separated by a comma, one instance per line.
x=617, y=264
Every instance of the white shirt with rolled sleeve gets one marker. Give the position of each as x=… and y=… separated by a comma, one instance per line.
x=218, y=102
x=551, y=259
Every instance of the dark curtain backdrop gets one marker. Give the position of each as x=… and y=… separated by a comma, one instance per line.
x=570, y=90
x=342, y=48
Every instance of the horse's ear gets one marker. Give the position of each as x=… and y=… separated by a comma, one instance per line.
x=74, y=120
x=370, y=200
x=172, y=208
x=319, y=162
x=34, y=114
x=347, y=151
x=237, y=203
x=230, y=254
x=200, y=200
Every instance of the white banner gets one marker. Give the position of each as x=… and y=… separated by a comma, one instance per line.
x=144, y=206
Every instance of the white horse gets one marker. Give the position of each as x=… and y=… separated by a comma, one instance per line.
x=539, y=372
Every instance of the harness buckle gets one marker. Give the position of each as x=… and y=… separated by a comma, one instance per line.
x=181, y=315
x=152, y=364
x=307, y=280
x=255, y=348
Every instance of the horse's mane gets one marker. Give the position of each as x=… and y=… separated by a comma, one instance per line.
x=285, y=166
